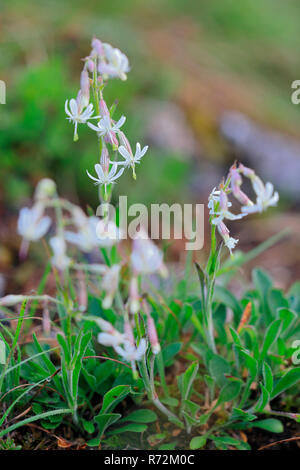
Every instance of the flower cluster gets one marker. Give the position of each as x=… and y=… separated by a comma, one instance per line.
x=104, y=62
x=219, y=205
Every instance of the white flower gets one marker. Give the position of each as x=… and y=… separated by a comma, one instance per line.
x=112, y=339
x=219, y=208
x=116, y=64
x=229, y=241
x=107, y=233
x=129, y=158
x=77, y=115
x=146, y=257
x=110, y=284
x=111, y=336
x=131, y=353
x=265, y=197
x=93, y=232
x=107, y=128
x=59, y=259
x=45, y=189
x=106, y=178
x=31, y=223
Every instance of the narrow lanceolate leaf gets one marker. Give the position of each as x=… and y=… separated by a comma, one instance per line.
x=286, y=381
x=113, y=397
x=268, y=377
x=251, y=363
x=270, y=336
x=263, y=400
x=104, y=420
x=229, y=392
x=188, y=379
x=34, y=418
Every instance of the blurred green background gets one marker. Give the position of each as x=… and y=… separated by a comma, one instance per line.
x=192, y=62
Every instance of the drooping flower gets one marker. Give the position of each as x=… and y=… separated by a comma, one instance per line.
x=93, y=232
x=131, y=160
x=46, y=188
x=106, y=177
x=107, y=128
x=266, y=197
x=146, y=257
x=221, y=209
x=116, y=63
x=225, y=234
x=110, y=284
x=32, y=225
x=77, y=114
x=236, y=182
x=59, y=259
x=110, y=336
x=132, y=353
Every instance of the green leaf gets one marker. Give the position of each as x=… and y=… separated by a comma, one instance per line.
x=288, y=380
x=224, y=296
x=131, y=427
x=238, y=414
x=276, y=300
x=270, y=336
x=88, y=426
x=113, y=397
x=140, y=416
x=197, y=442
x=105, y=420
x=170, y=401
x=218, y=367
x=271, y=425
x=268, y=377
x=187, y=380
x=229, y=392
x=287, y=316
x=263, y=400
x=263, y=284
x=19, y=424
x=251, y=363
x=170, y=351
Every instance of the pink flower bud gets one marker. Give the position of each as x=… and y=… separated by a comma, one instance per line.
x=134, y=303
x=152, y=333
x=124, y=141
x=97, y=47
x=105, y=160
x=82, y=292
x=90, y=65
x=129, y=333
x=223, y=201
x=103, y=108
x=236, y=182
x=85, y=88
x=248, y=172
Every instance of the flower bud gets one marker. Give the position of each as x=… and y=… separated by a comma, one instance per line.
x=85, y=88
x=97, y=47
x=236, y=182
x=152, y=333
x=103, y=108
x=90, y=65
x=46, y=188
x=104, y=160
x=10, y=300
x=134, y=303
x=129, y=333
